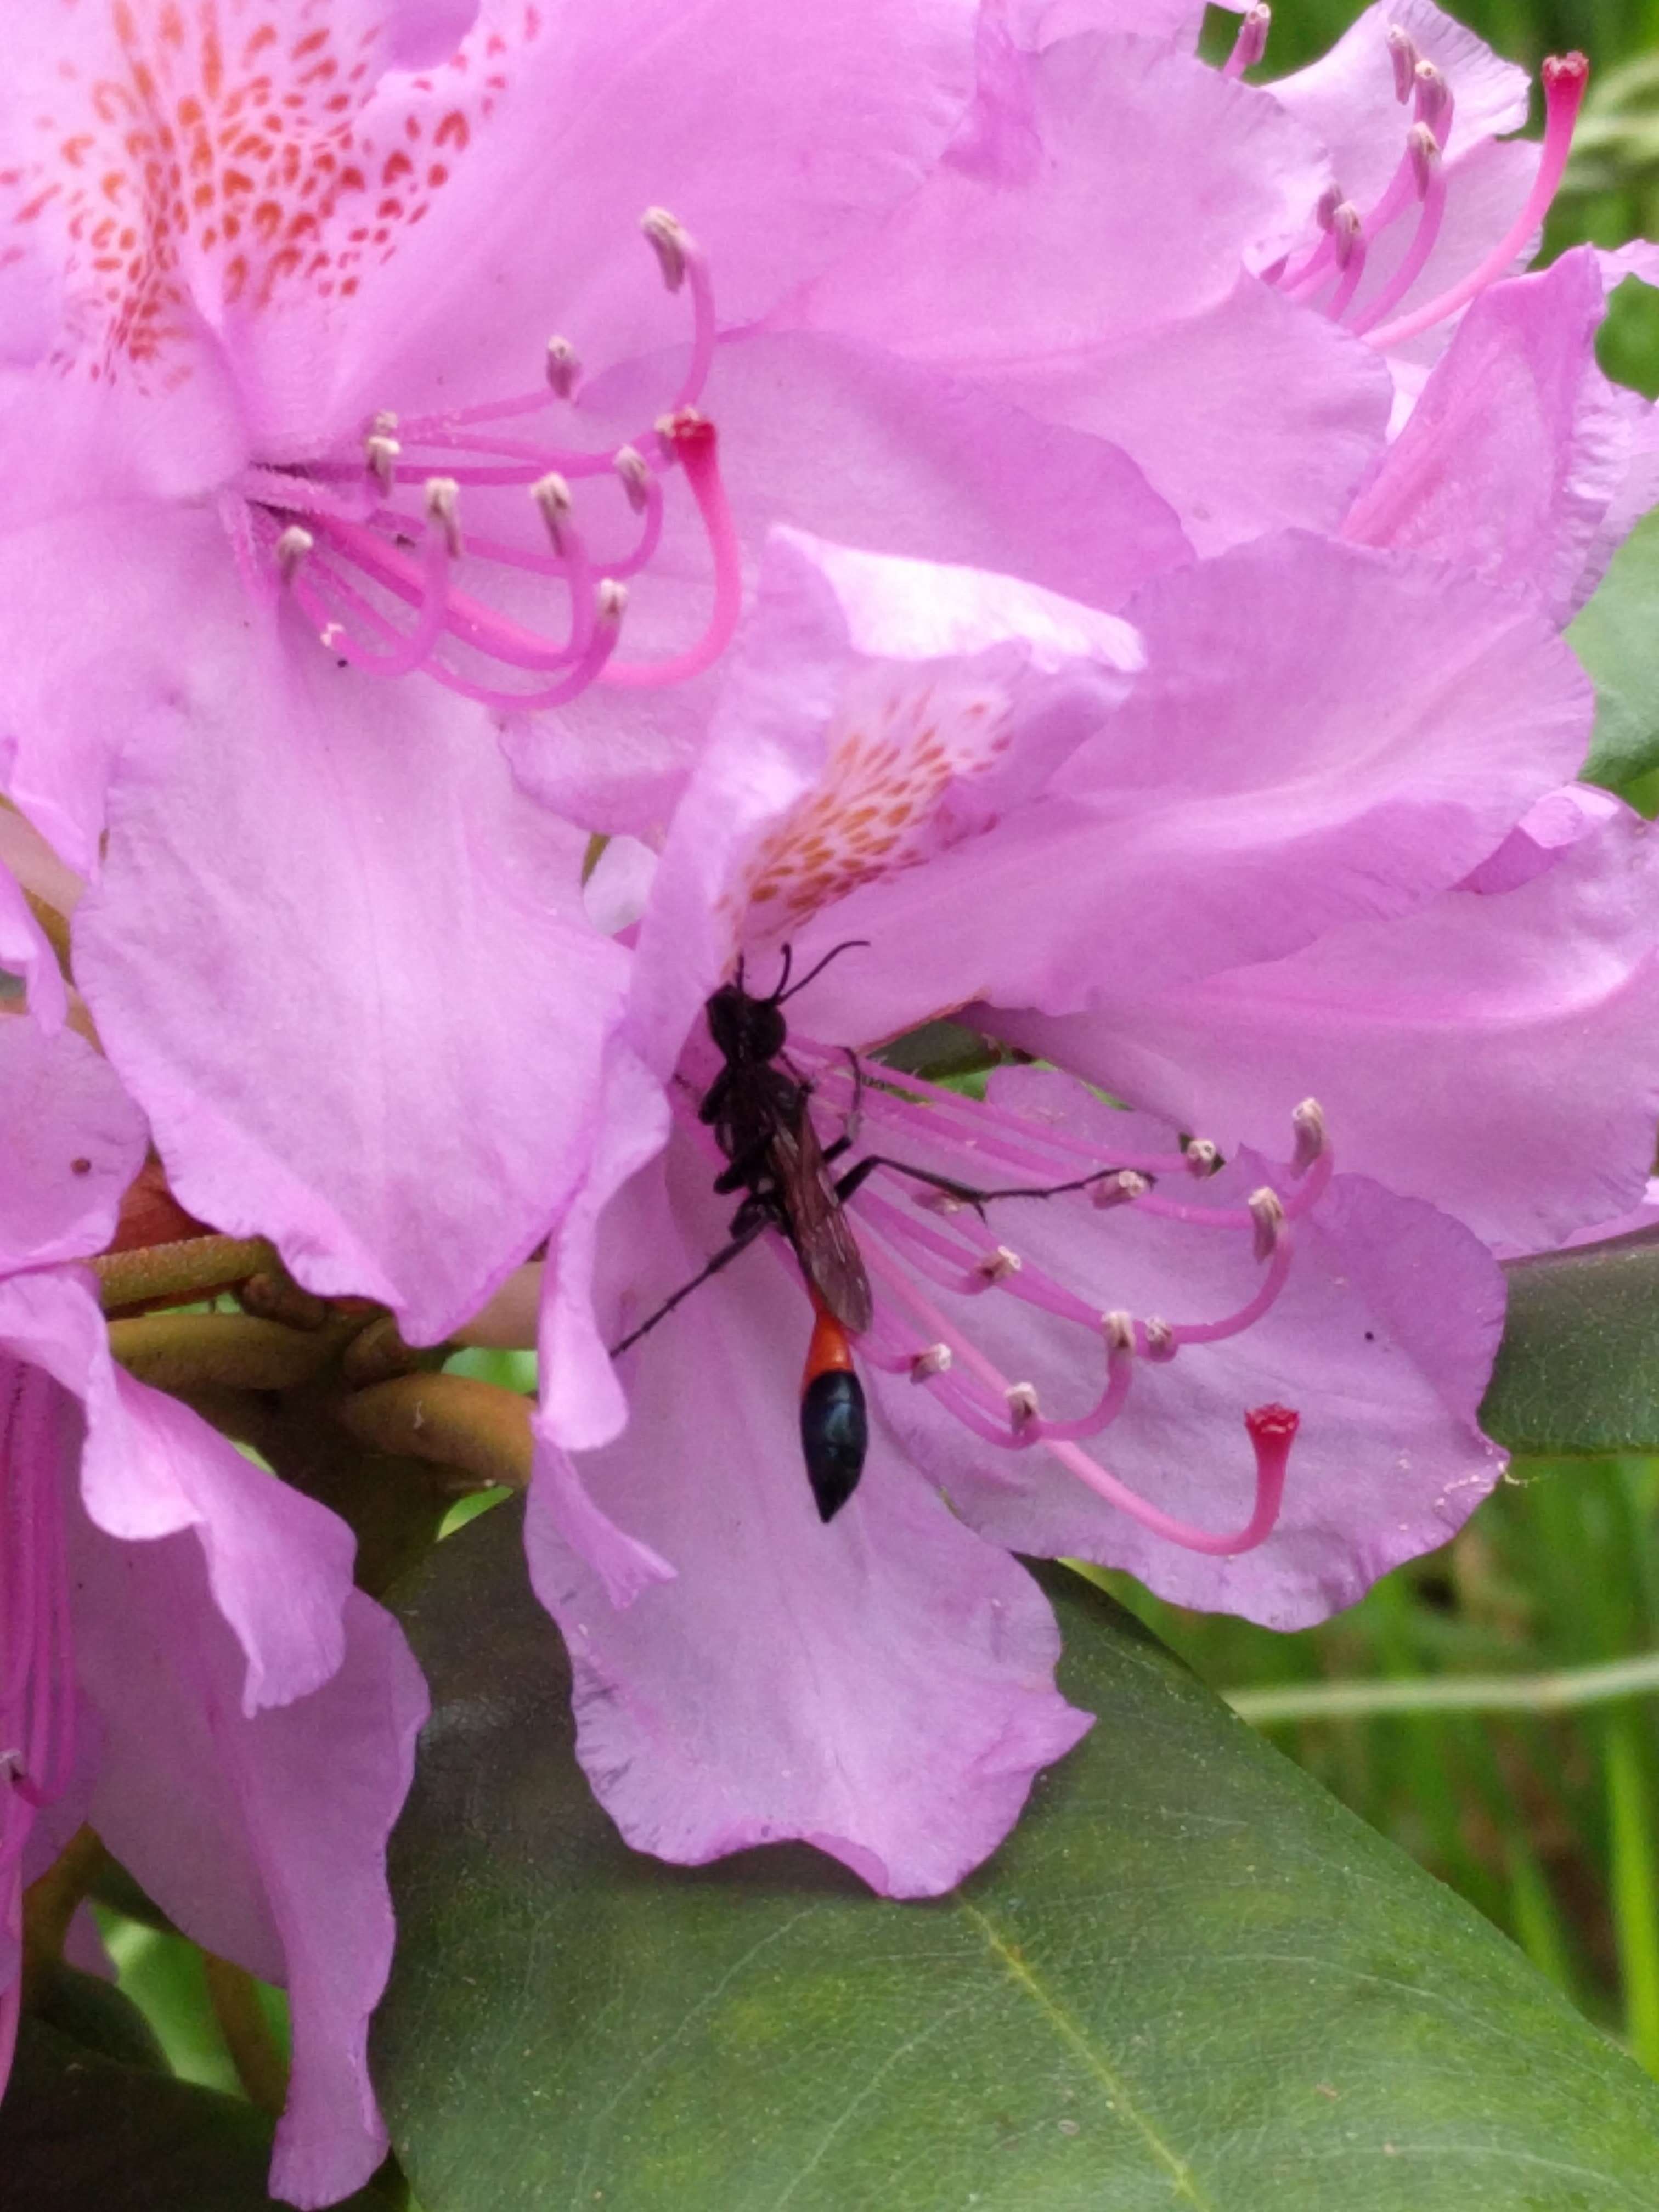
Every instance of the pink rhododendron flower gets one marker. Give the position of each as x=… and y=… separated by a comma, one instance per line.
x=1333, y=753
x=285, y=286
x=182, y=1660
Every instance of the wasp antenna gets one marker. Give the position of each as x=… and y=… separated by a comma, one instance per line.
x=851, y=945
x=781, y=992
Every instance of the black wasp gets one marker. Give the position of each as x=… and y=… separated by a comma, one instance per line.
x=757, y=1108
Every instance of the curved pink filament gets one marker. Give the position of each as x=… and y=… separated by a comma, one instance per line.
x=411, y=651
x=1430, y=214
x=1247, y=1316
x=584, y=670
x=1338, y=304
x=471, y=620
x=698, y=283
x=1029, y=1285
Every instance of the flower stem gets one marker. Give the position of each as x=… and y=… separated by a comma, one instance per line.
x=476, y=1428
x=1560, y=1691
x=261, y=2066
x=195, y=1267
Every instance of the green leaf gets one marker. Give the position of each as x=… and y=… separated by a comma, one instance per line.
x=78, y=2130
x=1191, y=1980
x=1577, y=1372
x=96, y=2014
x=1617, y=638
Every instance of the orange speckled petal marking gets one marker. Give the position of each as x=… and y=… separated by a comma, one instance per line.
x=894, y=756
x=187, y=159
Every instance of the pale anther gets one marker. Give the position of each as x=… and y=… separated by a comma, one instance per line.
x=1308, y=1121
x=611, y=599
x=443, y=511
x=999, y=1264
x=935, y=1360
x=1252, y=42
x=631, y=466
x=1202, y=1157
x=1347, y=224
x=381, y=451
x=1119, y=1328
x=1402, y=53
x=671, y=242
x=331, y=634
x=940, y=1201
x=1021, y=1403
x=552, y=496
x=1325, y=208
x=1118, y=1189
x=563, y=367
x=1433, y=93
x=291, y=549
x=1268, y=1212
x=1423, y=149
x=1160, y=1339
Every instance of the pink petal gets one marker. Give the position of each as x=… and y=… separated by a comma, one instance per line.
x=1248, y=415
x=330, y=935
x=1497, y=1053
x=1322, y=735
x=1156, y=181
x=73, y=1141
x=1092, y=276
x=582, y=1404
x=896, y=710
x=881, y=1688
x=278, y=1564
x=264, y=1837
x=826, y=118
x=1517, y=446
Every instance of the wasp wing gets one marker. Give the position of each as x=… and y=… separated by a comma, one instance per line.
x=822, y=1236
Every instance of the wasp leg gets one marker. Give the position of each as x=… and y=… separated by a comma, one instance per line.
x=747, y=1226
x=856, y=1177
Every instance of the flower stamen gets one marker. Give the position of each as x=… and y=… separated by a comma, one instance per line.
x=1251, y=43
x=1566, y=77
x=341, y=540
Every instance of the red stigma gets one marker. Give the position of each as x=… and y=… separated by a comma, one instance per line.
x=690, y=433
x=1272, y=1423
